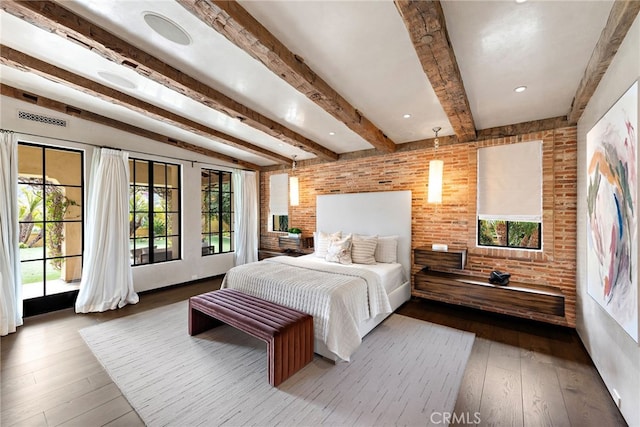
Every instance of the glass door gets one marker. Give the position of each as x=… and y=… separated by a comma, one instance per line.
x=50, y=204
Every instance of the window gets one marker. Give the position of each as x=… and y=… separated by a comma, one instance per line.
x=154, y=211
x=510, y=195
x=217, y=212
x=50, y=204
x=510, y=234
x=279, y=202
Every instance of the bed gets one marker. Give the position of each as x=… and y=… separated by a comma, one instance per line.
x=346, y=301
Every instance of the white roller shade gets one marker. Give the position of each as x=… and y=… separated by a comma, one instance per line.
x=510, y=182
x=279, y=194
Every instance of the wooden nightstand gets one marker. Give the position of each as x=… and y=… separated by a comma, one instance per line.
x=288, y=246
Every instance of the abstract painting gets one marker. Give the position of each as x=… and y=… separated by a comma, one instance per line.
x=612, y=224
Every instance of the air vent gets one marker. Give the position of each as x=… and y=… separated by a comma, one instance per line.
x=42, y=119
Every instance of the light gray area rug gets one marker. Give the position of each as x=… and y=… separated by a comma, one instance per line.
x=405, y=370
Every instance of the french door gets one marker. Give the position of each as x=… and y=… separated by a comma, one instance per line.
x=51, y=206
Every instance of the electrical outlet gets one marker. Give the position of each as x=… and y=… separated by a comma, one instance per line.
x=194, y=277
x=616, y=397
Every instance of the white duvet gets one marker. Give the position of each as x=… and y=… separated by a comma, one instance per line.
x=338, y=297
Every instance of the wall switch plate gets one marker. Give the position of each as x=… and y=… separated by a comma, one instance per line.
x=616, y=397
x=439, y=247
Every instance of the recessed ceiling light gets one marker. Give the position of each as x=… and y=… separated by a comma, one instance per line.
x=520, y=1
x=407, y=116
x=332, y=133
x=166, y=28
x=520, y=89
x=116, y=80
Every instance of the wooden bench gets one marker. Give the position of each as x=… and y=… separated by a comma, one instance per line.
x=287, y=332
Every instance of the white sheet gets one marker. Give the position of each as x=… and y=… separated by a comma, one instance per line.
x=338, y=297
x=392, y=275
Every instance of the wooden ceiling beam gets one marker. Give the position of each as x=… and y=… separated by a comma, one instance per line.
x=427, y=29
x=55, y=18
x=238, y=26
x=623, y=14
x=24, y=62
x=71, y=110
x=523, y=128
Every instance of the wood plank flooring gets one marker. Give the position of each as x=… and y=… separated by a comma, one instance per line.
x=519, y=374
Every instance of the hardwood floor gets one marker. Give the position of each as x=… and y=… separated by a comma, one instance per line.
x=523, y=373
x=519, y=374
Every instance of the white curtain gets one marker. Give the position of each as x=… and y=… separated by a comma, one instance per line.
x=10, y=286
x=246, y=212
x=107, y=279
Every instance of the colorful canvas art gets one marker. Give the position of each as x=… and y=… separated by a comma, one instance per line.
x=612, y=225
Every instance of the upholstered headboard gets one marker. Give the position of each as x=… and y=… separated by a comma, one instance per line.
x=383, y=213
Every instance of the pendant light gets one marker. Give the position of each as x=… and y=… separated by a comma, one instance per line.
x=435, y=174
x=294, y=194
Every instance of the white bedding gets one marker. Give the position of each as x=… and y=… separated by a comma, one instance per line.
x=340, y=298
x=392, y=275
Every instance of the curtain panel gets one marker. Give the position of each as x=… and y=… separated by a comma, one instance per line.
x=107, y=278
x=246, y=212
x=10, y=283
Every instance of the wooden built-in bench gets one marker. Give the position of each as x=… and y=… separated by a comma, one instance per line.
x=287, y=332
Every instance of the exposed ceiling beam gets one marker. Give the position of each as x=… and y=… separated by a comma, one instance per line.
x=623, y=14
x=24, y=62
x=523, y=128
x=515, y=130
x=238, y=26
x=428, y=32
x=55, y=18
x=63, y=108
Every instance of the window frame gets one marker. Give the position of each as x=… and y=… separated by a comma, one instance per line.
x=152, y=256
x=218, y=209
x=500, y=201
x=46, y=257
x=508, y=246
x=278, y=196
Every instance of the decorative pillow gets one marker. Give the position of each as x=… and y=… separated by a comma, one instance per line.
x=387, y=249
x=322, y=240
x=363, y=249
x=340, y=251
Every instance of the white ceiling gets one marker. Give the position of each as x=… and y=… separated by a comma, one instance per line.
x=361, y=48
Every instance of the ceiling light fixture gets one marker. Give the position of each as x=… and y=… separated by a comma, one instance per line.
x=407, y=116
x=434, y=192
x=332, y=133
x=167, y=28
x=116, y=80
x=294, y=185
x=520, y=1
x=520, y=89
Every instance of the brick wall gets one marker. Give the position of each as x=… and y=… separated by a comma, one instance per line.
x=454, y=222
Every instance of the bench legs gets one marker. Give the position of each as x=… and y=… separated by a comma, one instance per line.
x=200, y=322
x=288, y=351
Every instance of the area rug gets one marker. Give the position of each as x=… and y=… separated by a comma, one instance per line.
x=404, y=371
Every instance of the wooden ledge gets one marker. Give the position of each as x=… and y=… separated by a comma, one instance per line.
x=516, y=298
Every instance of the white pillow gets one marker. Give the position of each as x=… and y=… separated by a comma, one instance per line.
x=387, y=249
x=340, y=251
x=322, y=240
x=363, y=249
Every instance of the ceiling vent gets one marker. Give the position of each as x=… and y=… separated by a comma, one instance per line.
x=42, y=119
